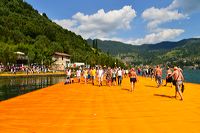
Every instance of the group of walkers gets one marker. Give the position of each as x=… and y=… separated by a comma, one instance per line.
x=175, y=78
x=114, y=76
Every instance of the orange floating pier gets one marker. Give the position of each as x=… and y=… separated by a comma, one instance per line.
x=83, y=108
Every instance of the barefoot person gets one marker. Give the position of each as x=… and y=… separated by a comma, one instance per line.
x=109, y=76
x=178, y=77
x=85, y=74
x=68, y=73
x=133, y=78
x=168, y=78
x=158, y=75
x=93, y=74
x=114, y=73
x=78, y=75
x=100, y=76
x=120, y=76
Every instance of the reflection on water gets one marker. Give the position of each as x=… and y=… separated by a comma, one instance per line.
x=11, y=87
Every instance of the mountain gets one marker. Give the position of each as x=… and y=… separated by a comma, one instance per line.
x=184, y=52
x=22, y=28
x=113, y=47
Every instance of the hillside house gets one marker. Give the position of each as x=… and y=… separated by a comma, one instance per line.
x=61, y=61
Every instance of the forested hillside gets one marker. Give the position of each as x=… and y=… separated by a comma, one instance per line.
x=184, y=52
x=113, y=47
x=23, y=29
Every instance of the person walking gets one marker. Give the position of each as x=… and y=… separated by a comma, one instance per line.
x=93, y=74
x=100, y=76
x=78, y=75
x=133, y=78
x=158, y=75
x=109, y=76
x=178, y=78
x=114, y=73
x=119, y=75
x=168, y=78
x=85, y=74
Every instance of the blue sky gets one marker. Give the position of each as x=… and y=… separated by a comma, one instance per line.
x=131, y=21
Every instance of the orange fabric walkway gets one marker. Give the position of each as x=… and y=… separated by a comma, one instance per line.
x=80, y=108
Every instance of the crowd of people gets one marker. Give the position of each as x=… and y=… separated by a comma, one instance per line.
x=26, y=69
x=114, y=76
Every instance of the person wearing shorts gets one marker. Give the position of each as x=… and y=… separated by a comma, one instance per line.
x=168, y=77
x=158, y=75
x=100, y=76
x=85, y=74
x=114, y=73
x=178, y=77
x=109, y=76
x=78, y=75
x=133, y=79
x=93, y=74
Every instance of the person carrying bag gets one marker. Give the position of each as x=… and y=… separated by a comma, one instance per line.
x=178, y=81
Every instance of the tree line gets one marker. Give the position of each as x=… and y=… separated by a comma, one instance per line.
x=23, y=29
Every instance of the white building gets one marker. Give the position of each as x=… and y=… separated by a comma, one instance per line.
x=61, y=61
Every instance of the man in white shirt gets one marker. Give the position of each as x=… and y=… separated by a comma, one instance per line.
x=100, y=76
x=119, y=75
x=78, y=74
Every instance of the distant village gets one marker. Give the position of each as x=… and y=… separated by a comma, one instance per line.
x=61, y=61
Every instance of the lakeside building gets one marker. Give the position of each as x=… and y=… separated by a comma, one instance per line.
x=61, y=61
x=21, y=58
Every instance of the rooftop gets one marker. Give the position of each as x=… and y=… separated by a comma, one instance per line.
x=62, y=54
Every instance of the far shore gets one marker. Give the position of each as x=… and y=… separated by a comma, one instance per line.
x=8, y=75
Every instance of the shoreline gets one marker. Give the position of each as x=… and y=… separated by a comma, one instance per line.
x=31, y=75
x=55, y=74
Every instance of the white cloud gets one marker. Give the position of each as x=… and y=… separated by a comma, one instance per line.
x=67, y=24
x=101, y=24
x=196, y=37
x=105, y=25
x=188, y=6
x=162, y=35
x=156, y=16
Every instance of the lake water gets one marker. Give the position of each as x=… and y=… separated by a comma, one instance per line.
x=12, y=87
x=190, y=75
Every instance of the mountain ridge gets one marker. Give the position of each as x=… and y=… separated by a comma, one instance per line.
x=183, y=52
